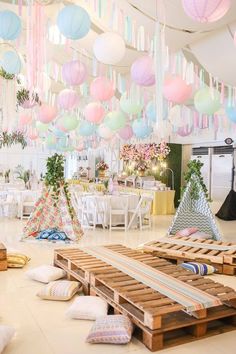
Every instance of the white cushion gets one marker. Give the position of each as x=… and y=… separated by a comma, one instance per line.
x=87, y=308
x=61, y=290
x=6, y=334
x=45, y=273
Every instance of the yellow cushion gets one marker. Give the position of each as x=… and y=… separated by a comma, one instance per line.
x=17, y=260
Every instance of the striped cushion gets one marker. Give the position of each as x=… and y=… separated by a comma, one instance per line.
x=199, y=268
x=115, y=329
x=60, y=290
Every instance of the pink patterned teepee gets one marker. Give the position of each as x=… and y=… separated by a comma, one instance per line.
x=51, y=213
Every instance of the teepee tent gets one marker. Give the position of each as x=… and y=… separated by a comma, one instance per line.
x=194, y=213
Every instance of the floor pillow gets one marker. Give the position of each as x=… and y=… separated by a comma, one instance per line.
x=16, y=260
x=187, y=232
x=114, y=329
x=201, y=235
x=199, y=268
x=61, y=290
x=87, y=308
x=6, y=334
x=46, y=273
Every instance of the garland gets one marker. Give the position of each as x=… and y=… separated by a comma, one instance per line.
x=194, y=168
x=23, y=95
x=9, y=139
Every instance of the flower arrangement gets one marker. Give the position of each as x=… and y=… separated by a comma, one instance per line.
x=24, y=95
x=147, y=152
x=141, y=166
x=101, y=166
x=163, y=151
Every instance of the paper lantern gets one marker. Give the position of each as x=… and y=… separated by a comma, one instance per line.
x=141, y=129
x=74, y=72
x=68, y=99
x=41, y=127
x=207, y=101
x=126, y=132
x=46, y=113
x=51, y=141
x=231, y=113
x=79, y=147
x=11, y=62
x=73, y=22
x=115, y=120
x=33, y=134
x=58, y=132
x=104, y=132
x=143, y=71
x=94, y=112
x=68, y=122
x=109, y=48
x=185, y=131
x=176, y=90
x=25, y=119
x=101, y=89
x=206, y=10
x=130, y=105
x=10, y=25
x=150, y=111
x=86, y=129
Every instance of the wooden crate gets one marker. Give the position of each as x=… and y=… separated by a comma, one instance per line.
x=3, y=257
x=223, y=261
x=158, y=318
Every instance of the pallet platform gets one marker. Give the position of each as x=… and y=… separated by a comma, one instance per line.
x=223, y=261
x=158, y=318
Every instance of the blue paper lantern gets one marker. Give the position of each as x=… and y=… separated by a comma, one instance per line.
x=10, y=25
x=86, y=129
x=11, y=63
x=151, y=111
x=73, y=22
x=231, y=113
x=141, y=129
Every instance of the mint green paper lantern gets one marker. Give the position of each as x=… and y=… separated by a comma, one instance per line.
x=41, y=127
x=131, y=104
x=207, y=101
x=115, y=120
x=51, y=141
x=68, y=122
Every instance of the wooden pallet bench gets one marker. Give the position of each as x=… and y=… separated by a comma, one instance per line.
x=223, y=261
x=159, y=319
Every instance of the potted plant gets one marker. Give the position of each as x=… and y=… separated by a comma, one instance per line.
x=7, y=176
x=27, y=100
x=101, y=167
x=24, y=175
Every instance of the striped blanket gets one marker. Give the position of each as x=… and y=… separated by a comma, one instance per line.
x=191, y=298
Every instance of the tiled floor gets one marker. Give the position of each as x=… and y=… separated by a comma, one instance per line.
x=41, y=325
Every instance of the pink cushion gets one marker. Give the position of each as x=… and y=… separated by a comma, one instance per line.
x=201, y=235
x=187, y=232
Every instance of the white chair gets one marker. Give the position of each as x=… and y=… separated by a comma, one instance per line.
x=8, y=206
x=118, y=210
x=142, y=212
x=28, y=200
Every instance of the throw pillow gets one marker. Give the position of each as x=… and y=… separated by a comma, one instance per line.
x=114, y=329
x=87, y=308
x=61, y=290
x=198, y=268
x=16, y=260
x=201, y=235
x=6, y=334
x=187, y=232
x=46, y=273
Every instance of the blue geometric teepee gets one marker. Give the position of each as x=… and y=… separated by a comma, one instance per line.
x=194, y=213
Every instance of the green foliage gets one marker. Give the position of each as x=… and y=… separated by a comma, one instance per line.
x=24, y=95
x=23, y=174
x=194, y=168
x=9, y=139
x=5, y=75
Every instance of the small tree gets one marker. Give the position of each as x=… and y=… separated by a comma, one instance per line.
x=194, y=168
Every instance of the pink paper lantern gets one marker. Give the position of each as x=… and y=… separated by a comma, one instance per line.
x=143, y=72
x=94, y=112
x=184, y=131
x=80, y=147
x=74, y=72
x=176, y=90
x=206, y=10
x=25, y=119
x=101, y=89
x=46, y=113
x=33, y=134
x=68, y=99
x=126, y=133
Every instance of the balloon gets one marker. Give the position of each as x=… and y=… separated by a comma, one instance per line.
x=11, y=62
x=105, y=132
x=231, y=113
x=94, y=112
x=109, y=48
x=115, y=120
x=176, y=90
x=143, y=72
x=51, y=141
x=68, y=122
x=86, y=129
x=150, y=111
x=41, y=127
x=80, y=147
x=130, y=105
x=101, y=89
x=25, y=119
x=10, y=25
x=74, y=73
x=46, y=113
x=205, y=10
x=207, y=101
x=73, y=22
x=58, y=132
x=126, y=132
x=33, y=135
x=68, y=99
x=141, y=129
x=184, y=131
x=175, y=116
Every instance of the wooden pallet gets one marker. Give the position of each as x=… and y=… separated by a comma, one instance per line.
x=3, y=257
x=158, y=318
x=223, y=261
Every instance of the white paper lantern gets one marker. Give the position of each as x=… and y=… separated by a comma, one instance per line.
x=109, y=48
